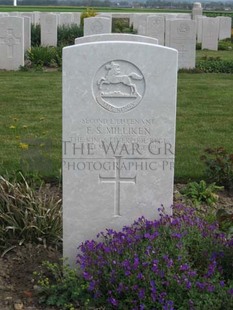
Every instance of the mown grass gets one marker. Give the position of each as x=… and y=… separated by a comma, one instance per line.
x=21, y=8
x=30, y=118
x=224, y=55
x=204, y=119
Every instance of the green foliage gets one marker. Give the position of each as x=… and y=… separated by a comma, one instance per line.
x=198, y=46
x=45, y=56
x=225, y=45
x=59, y=285
x=35, y=35
x=67, y=34
x=219, y=166
x=214, y=65
x=201, y=193
x=121, y=25
x=225, y=220
x=89, y=12
x=29, y=214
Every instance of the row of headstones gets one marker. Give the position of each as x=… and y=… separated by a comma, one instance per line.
x=36, y=17
x=176, y=31
x=146, y=24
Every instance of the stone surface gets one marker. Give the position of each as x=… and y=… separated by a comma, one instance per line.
x=183, y=38
x=168, y=17
x=210, y=31
x=140, y=23
x=11, y=43
x=77, y=18
x=27, y=33
x=48, y=23
x=224, y=27
x=199, y=27
x=156, y=27
x=65, y=19
x=97, y=25
x=197, y=10
x=119, y=112
x=116, y=37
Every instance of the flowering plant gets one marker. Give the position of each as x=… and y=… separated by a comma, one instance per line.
x=170, y=263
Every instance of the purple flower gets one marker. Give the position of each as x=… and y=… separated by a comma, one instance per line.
x=155, y=267
x=113, y=301
x=141, y=293
x=200, y=285
x=169, y=305
x=176, y=235
x=184, y=267
x=230, y=291
x=140, y=276
x=135, y=263
x=153, y=290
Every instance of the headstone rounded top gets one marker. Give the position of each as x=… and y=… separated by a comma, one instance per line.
x=197, y=4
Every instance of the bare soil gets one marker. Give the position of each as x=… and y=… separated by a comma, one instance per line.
x=17, y=287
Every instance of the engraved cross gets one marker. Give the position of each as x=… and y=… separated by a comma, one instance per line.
x=117, y=179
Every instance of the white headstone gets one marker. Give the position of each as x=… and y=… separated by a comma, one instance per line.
x=168, y=17
x=115, y=37
x=77, y=18
x=156, y=27
x=48, y=23
x=183, y=38
x=28, y=14
x=27, y=33
x=210, y=31
x=13, y=14
x=140, y=23
x=11, y=43
x=197, y=10
x=97, y=25
x=199, y=27
x=224, y=27
x=65, y=19
x=119, y=112
x=36, y=20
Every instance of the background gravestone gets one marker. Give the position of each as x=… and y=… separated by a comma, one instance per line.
x=27, y=33
x=210, y=32
x=97, y=25
x=183, y=38
x=77, y=18
x=119, y=111
x=48, y=24
x=65, y=19
x=116, y=37
x=224, y=27
x=156, y=27
x=140, y=23
x=197, y=10
x=11, y=43
x=199, y=27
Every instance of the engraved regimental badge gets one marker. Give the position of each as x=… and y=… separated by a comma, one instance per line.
x=118, y=86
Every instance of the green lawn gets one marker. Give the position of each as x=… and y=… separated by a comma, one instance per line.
x=24, y=8
x=224, y=55
x=204, y=119
x=30, y=119
x=30, y=113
